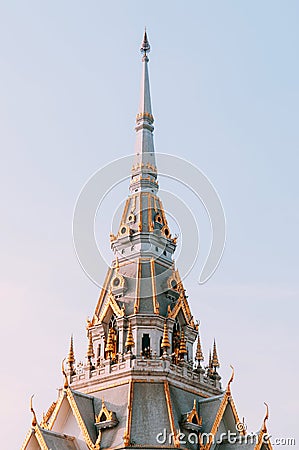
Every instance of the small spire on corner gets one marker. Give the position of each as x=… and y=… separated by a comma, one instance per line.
x=215, y=360
x=71, y=357
x=199, y=354
x=165, y=344
x=130, y=339
x=264, y=428
x=90, y=351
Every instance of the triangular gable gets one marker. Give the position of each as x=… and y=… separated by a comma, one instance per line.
x=219, y=415
x=31, y=442
x=182, y=305
x=41, y=439
x=74, y=415
x=111, y=303
x=85, y=406
x=102, y=296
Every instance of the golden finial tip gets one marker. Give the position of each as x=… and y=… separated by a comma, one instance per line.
x=265, y=418
x=34, y=420
x=231, y=378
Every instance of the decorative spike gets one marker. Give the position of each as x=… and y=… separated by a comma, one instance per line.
x=215, y=361
x=71, y=356
x=109, y=345
x=90, y=352
x=199, y=354
x=130, y=339
x=183, y=348
x=231, y=379
x=165, y=344
x=210, y=367
x=34, y=420
x=264, y=428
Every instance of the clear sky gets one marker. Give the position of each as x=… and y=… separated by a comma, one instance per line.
x=224, y=79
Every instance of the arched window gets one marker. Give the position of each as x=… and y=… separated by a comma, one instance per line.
x=112, y=339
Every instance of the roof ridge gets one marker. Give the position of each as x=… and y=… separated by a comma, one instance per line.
x=82, y=394
x=56, y=433
x=211, y=399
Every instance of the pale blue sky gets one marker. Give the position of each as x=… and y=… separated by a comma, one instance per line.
x=224, y=79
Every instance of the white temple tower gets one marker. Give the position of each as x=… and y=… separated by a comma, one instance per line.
x=142, y=385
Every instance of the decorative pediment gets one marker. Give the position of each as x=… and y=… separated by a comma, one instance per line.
x=191, y=419
x=182, y=305
x=111, y=303
x=105, y=418
x=118, y=284
x=172, y=284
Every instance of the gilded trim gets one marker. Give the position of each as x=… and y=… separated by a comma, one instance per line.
x=40, y=438
x=163, y=213
x=27, y=438
x=260, y=441
x=103, y=292
x=170, y=414
x=127, y=433
x=115, y=308
x=149, y=219
x=140, y=225
x=137, y=299
x=79, y=419
x=125, y=211
x=193, y=413
x=227, y=399
x=153, y=277
x=56, y=410
x=216, y=423
x=236, y=417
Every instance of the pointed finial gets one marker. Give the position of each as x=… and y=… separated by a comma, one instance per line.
x=165, y=344
x=90, y=352
x=215, y=360
x=109, y=345
x=34, y=420
x=66, y=381
x=264, y=428
x=145, y=46
x=71, y=356
x=183, y=348
x=231, y=379
x=199, y=354
x=130, y=339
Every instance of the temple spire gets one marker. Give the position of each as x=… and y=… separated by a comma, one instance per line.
x=215, y=360
x=199, y=354
x=90, y=351
x=144, y=172
x=130, y=339
x=165, y=344
x=71, y=357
